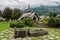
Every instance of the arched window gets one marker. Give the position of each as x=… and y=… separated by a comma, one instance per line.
x=34, y=18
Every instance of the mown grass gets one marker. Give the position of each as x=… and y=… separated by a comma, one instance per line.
x=5, y=25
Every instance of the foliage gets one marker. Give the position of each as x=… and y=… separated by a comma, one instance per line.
x=7, y=13
x=17, y=24
x=21, y=24
x=44, y=21
x=29, y=22
x=53, y=21
x=25, y=22
x=0, y=13
x=58, y=22
x=52, y=14
x=13, y=24
x=16, y=13
x=1, y=16
x=12, y=14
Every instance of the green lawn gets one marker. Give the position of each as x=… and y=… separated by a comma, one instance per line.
x=4, y=25
x=6, y=32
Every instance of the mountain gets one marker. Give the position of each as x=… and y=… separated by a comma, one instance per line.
x=44, y=10
x=22, y=4
x=41, y=7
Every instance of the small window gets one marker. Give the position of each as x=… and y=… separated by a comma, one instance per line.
x=34, y=18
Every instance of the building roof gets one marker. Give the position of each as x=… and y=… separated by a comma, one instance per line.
x=29, y=14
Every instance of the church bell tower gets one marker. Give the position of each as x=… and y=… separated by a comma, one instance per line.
x=29, y=10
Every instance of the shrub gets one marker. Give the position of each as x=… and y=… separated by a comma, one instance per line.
x=17, y=24
x=29, y=22
x=54, y=22
x=58, y=23
x=13, y=24
x=22, y=23
x=45, y=21
x=51, y=22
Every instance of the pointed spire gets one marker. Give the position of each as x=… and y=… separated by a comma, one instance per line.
x=29, y=6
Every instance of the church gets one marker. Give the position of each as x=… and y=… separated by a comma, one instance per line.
x=29, y=14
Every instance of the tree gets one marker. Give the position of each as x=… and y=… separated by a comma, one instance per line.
x=53, y=21
x=52, y=14
x=0, y=13
x=7, y=13
x=16, y=14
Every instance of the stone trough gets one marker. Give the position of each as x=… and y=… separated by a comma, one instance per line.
x=23, y=33
x=20, y=33
x=38, y=33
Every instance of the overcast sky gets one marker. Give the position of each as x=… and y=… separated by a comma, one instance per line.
x=22, y=4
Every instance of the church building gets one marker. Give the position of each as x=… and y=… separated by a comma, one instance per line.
x=29, y=14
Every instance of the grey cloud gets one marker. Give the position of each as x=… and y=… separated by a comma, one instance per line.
x=22, y=4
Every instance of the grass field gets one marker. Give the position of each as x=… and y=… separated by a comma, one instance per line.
x=6, y=32
x=4, y=26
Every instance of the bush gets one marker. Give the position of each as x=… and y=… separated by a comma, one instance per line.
x=58, y=23
x=51, y=22
x=29, y=22
x=22, y=23
x=13, y=24
x=54, y=22
x=17, y=24
x=44, y=21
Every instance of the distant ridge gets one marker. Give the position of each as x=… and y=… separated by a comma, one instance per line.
x=44, y=10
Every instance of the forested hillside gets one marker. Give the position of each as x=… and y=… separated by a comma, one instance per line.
x=44, y=10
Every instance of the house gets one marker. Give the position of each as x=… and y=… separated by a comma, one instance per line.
x=29, y=14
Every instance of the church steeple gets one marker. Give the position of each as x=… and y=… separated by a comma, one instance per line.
x=29, y=7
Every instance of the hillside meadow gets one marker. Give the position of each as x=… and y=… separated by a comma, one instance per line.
x=6, y=33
